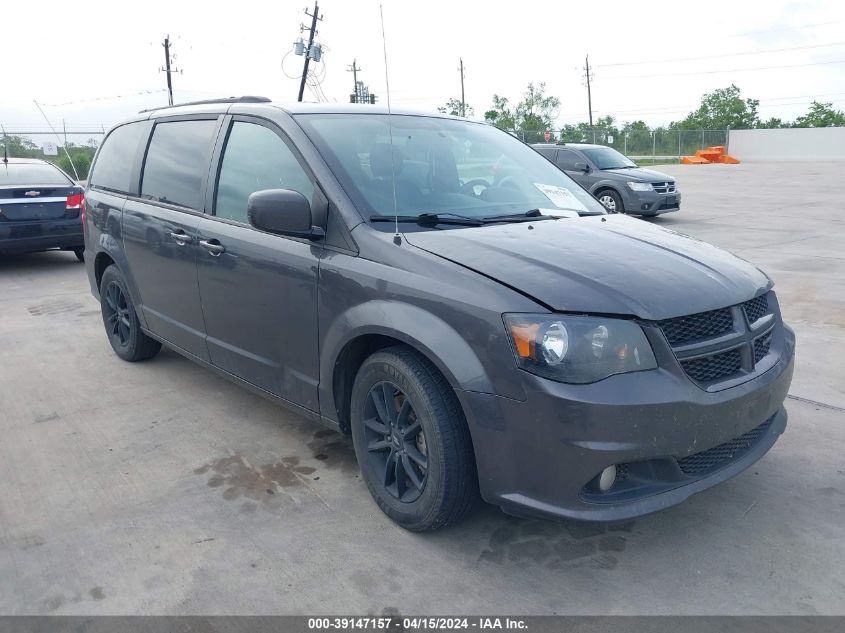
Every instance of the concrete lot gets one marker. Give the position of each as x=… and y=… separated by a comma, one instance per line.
x=160, y=488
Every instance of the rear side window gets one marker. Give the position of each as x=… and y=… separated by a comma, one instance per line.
x=256, y=158
x=177, y=161
x=566, y=159
x=113, y=169
x=31, y=174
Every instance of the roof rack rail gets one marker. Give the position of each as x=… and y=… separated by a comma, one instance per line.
x=245, y=99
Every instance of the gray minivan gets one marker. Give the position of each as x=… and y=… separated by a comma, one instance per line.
x=441, y=292
x=614, y=179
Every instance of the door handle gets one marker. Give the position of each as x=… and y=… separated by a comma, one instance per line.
x=181, y=238
x=213, y=246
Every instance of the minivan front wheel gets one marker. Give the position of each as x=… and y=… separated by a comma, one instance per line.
x=611, y=201
x=411, y=441
x=120, y=320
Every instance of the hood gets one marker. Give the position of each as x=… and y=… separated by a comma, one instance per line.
x=602, y=264
x=640, y=173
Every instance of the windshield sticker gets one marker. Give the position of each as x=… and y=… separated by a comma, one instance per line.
x=561, y=197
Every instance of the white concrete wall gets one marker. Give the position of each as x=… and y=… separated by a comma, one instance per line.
x=789, y=144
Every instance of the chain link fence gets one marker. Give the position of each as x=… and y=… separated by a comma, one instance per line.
x=660, y=144
x=72, y=151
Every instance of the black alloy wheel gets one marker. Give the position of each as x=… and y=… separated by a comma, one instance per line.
x=116, y=315
x=395, y=440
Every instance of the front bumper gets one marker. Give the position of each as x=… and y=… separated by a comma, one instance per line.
x=650, y=202
x=40, y=235
x=541, y=456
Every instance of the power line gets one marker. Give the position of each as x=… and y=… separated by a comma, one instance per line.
x=729, y=70
x=721, y=55
x=131, y=94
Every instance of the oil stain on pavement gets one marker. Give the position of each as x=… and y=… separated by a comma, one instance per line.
x=241, y=480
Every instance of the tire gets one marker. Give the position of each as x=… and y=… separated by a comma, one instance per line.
x=121, y=321
x=449, y=481
x=80, y=253
x=611, y=201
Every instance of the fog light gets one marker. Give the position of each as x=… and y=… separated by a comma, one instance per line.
x=607, y=478
x=646, y=206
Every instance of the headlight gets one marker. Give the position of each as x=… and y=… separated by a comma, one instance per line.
x=578, y=349
x=640, y=186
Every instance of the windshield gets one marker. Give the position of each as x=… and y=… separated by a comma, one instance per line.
x=31, y=174
x=608, y=158
x=442, y=166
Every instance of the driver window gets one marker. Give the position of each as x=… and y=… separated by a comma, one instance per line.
x=256, y=158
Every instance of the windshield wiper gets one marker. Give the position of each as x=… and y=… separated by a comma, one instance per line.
x=430, y=219
x=529, y=216
x=619, y=167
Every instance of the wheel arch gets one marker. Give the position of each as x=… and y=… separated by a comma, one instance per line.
x=601, y=187
x=368, y=328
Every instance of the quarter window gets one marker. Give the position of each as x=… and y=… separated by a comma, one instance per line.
x=256, y=158
x=177, y=161
x=113, y=169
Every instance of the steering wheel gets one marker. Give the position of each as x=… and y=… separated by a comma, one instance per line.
x=469, y=186
x=509, y=182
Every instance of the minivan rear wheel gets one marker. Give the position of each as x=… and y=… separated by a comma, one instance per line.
x=412, y=441
x=121, y=321
x=611, y=201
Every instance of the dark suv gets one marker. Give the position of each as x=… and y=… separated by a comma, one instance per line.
x=437, y=289
x=614, y=179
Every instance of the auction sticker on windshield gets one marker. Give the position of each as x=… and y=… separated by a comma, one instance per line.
x=560, y=197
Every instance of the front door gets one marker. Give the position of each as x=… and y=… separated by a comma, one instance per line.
x=159, y=232
x=566, y=161
x=258, y=290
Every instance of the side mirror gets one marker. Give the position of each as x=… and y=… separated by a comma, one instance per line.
x=582, y=167
x=284, y=212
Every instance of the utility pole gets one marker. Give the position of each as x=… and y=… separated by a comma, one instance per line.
x=168, y=70
x=589, y=96
x=354, y=70
x=463, y=100
x=308, y=51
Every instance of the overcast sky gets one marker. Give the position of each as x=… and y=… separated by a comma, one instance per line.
x=86, y=61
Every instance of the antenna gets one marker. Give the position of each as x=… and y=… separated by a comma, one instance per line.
x=58, y=138
x=396, y=238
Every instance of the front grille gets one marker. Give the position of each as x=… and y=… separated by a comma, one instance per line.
x=664, y=187
x=756, y=308
x=692, y=340
x=762, y=345
x=713, y=457
x=711, y=368
x=695, y=327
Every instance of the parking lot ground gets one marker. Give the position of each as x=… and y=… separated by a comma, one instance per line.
x=160, y=488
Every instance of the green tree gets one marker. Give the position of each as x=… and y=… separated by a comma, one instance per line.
x=635, y=126
x=721, y=109
x=772, y=123
x=536, y=112
x=453, y=107
x=20, y=147
x=500, y=114
x=821, y=115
